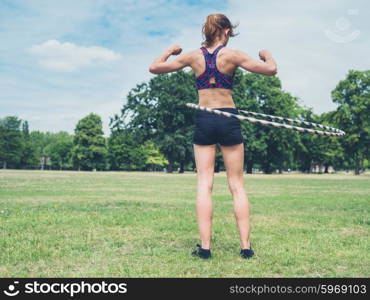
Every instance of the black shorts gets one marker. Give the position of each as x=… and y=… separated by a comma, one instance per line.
x=212, y=129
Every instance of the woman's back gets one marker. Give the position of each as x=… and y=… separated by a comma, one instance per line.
x=213, y=70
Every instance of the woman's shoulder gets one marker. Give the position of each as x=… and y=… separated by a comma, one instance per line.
x=229, y=50
x=194, y=52
x=229, y=53
x=233, y=54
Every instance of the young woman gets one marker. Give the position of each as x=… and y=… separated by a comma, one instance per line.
x=214, y=66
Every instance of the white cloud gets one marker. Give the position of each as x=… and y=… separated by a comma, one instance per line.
x=68, y=57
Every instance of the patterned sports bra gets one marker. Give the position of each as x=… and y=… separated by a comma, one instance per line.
x=222, y=80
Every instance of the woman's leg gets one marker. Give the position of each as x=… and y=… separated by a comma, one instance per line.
x=205, y=163
x=234, y=161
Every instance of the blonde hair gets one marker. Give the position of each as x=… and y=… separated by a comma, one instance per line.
x=213, y=28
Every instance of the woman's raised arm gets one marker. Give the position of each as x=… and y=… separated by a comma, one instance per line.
x=266, y=67
x=161, y=65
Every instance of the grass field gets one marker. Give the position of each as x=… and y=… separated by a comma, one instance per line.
x=120, y=224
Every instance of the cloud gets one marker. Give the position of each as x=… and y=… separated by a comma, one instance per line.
x=68, y=57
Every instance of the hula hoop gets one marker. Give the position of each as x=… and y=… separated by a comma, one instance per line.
x=333, y=131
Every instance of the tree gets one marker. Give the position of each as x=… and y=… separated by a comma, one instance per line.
x=352, y=116
x=156, y=111
x=40, y=141
x=248, y=89
x=59, y=150
x=307, y=152
x=89, y=145
x=331, y=148
x=154, y=158
x=124, y=151
x=270, y=147
x=28, y=158
x=11, y=145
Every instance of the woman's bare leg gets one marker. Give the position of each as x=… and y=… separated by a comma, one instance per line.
x=234, y=162
x=205, y=163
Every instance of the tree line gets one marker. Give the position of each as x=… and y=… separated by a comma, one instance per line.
x=154, y=130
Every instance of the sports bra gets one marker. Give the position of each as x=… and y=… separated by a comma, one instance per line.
x=222, y=80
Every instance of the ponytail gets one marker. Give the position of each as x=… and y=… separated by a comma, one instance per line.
x=213, y=28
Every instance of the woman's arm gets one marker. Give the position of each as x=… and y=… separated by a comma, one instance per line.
x=161, y=65
x=266, y=67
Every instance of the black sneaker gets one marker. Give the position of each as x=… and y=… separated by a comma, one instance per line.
x=246, y=253
x=202, y=253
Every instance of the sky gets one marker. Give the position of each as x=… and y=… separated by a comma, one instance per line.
x=61, y=60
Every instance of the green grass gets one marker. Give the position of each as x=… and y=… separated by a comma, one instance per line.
x=121, y=224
